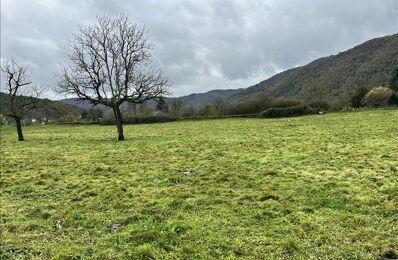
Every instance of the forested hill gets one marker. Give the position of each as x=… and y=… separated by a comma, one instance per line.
x=48, y=109
x=202, y=98
x=370, y=64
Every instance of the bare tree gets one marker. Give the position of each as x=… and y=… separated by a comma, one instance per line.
x=175, y=106
x=20, y=96
x=109, y=64
x=220, y=106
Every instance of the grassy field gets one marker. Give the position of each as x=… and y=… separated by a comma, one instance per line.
x=321, y=187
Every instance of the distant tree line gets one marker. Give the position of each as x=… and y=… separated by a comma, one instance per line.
x=380, y=96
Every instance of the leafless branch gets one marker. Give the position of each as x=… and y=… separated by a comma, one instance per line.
x=20, y=96
x=109, y=64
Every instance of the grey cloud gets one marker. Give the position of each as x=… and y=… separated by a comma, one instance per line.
x=203, y=44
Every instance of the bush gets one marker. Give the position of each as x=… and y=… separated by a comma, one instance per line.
x=250, y=106
x=3, y=120
x=357, y=99
x=288, y=111
x=321, y=105
x=140, y=120
x=283, y=103
x=393, y=100
x=92, y=115
x=378, y=97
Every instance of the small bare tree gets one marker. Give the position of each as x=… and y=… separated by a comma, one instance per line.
x=20, y=96
x=109, y=64
x=220, y=106
x=175, y=106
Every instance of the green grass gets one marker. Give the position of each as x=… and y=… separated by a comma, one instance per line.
x=322, y=187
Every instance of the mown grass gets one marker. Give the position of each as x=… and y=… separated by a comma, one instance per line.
x=322, y=187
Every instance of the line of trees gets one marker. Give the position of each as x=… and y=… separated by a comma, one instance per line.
x=362, y=97
x=377, y=97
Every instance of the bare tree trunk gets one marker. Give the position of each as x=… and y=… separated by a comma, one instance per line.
x=46, y=116
x=19, y=128
x=119, y=123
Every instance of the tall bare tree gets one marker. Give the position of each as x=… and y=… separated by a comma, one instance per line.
x=109, y=64
x=20, y=96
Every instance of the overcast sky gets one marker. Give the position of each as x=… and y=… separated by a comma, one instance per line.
x=202, y=44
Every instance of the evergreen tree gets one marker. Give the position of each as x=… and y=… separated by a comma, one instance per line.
x=357, y=100
x=393, y=100
x=394, y=81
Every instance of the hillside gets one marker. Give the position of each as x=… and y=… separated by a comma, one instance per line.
x=203, y=98
x=369, y=64
x=83, y=104
x=195, y=99
x=52, y=110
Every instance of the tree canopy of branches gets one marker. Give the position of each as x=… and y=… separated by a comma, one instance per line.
x=109, y=64
x=175, y=105
x=20, y=96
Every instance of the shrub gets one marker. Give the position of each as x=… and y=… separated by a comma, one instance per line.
x=393, y=100
x=283, y=103
x=322, y=105
x=92, y=115
x=3, y=120
x=250, y=106
x=288, y=111
x=208, y=110
x=357, y=100
x=378, y=97
x=341, y=102
x=188, y=112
